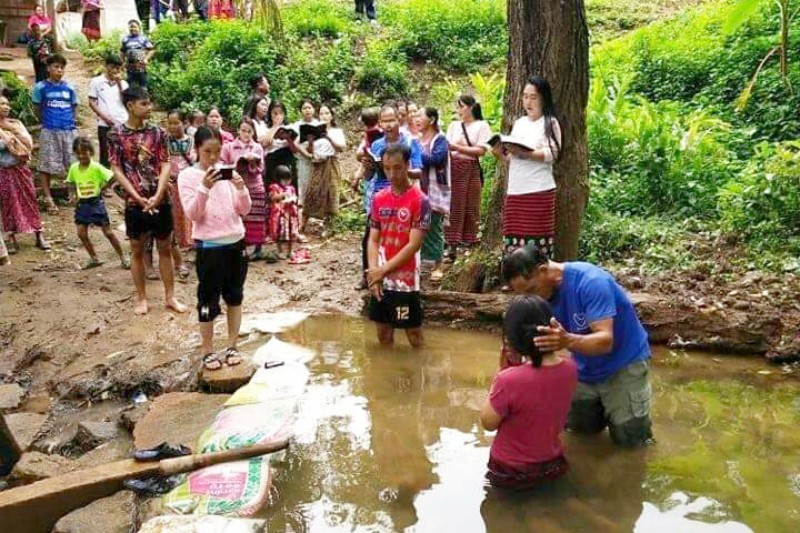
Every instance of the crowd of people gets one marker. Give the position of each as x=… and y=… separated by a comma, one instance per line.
x=234, y=195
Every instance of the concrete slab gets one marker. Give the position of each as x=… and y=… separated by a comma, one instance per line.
x=24, y=427
x=35, y=466
x=177, y=418
x=115, y=514
x=228, y=378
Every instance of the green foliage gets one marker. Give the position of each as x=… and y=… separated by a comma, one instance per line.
x=175, y=42
x=382, y=71
x=655, y=158
x=308, y=72
x=99, y=50
x=217, y=70
x=610, y=18
x=21, y=106
x=460, y=37
x=349, y=221
x=317, y=18
x=763, y=202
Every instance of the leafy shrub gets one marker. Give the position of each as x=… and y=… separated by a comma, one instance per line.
x=309, y=72
x=382, y=71
x=217, y=70
x=655, y=158
x=317, y=18
x=461, y=37
x=21, y=105
x=763, y=202
x=99, y=50
x=175, y=42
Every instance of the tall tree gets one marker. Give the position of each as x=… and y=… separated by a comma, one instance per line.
x=550, y=38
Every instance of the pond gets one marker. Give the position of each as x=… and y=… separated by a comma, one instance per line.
x=389, y=440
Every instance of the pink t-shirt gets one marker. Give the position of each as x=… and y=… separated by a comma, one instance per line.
x=533, y=404
x=216, y=213
x=43, y=21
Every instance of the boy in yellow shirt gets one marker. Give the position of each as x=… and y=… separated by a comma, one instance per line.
x=90, y=178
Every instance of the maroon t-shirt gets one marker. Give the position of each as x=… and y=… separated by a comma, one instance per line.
x=533, y=403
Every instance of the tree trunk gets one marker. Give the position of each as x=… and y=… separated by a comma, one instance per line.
x=550, y=38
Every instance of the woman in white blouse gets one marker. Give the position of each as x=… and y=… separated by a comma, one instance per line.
x=530, y=206
x=322, y=194
x=467, y=139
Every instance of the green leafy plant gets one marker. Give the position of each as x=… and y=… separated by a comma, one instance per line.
x=463, y=37
x=382, y=71
x=318, y=18
x=763, y=202
x=21, y=106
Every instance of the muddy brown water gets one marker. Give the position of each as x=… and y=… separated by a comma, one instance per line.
x=389, y=440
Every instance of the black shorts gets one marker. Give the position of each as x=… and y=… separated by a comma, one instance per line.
x=91, y=212
x=402, y=310
x=222, y=272
x=138, y=223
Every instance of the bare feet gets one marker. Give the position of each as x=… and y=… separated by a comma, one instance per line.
x=176, y=306
x=141, y=308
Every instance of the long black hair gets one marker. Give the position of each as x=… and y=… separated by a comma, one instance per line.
x=473, y=105
x=521, y=324
x=433, y=115
x=253, y=104
x=548, y=110
x=279, y=105
x=205, y=133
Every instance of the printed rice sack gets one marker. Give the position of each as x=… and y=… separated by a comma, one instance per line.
x=278, y=350
x=239, y=488
x=285, y=382
x=247, y=425
x=202, y=524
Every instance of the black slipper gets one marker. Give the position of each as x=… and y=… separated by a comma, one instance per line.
x=162, y=451
x=152, y=486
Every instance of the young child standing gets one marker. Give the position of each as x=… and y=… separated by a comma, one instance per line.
x=248, y=156
x=90, y=178
x=55, y=100
x=216, y=207
x=284, y=220
x=528, y=402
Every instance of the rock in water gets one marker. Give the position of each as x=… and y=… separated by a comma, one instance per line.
x=115, y=514
x=177, y=418
x=92, y=434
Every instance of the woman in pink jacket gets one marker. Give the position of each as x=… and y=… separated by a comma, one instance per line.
x=215, y=202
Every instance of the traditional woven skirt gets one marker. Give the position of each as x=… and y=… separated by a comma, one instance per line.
x=91, y=24
x=433, y=244
x=530, y=218
x=322, y=194
x=182, y=226
x=18, y=200
x=255, y=222
x=465, y=201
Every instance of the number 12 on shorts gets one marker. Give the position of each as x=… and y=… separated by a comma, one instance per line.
x=403, y=313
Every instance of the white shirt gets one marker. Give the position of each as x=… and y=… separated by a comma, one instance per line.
x=337, y=136
x=109, y=99
x=526, y=176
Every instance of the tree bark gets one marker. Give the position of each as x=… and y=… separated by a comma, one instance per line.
x=550, y=38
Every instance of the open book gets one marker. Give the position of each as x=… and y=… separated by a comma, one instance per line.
x=286, y=132
x=317, y=130
x=496, y=139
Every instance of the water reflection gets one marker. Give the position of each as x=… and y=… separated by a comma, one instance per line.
x=388, y=440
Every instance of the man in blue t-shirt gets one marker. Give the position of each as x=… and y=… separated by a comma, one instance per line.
x=596, y=321
x=375, y=179
x=55, y=100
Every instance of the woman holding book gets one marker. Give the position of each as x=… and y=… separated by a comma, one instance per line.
x=529, y=214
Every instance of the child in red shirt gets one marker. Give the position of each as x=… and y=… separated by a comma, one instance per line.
x=401, y=214
x=528, y=403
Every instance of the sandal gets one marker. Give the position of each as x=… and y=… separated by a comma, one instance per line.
x=125, y=263
x=52, y=208
x=12, y=246
x=232, y=357
x=272, y=257
x=93, y=263
x=256, y=256
x=43, y=245
x=211, y=362
x=183, y=271
x=152, y=275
